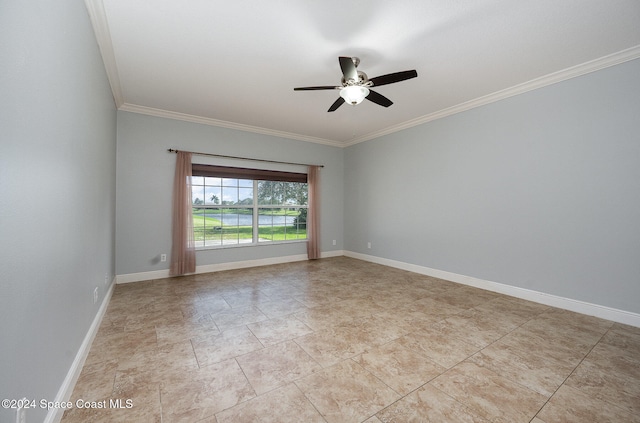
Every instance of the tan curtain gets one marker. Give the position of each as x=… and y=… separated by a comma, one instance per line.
x=313, y=221
x=183, y=250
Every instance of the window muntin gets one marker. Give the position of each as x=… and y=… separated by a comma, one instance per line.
x=233, y=211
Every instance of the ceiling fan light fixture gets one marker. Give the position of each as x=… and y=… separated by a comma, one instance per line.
x=354, y=94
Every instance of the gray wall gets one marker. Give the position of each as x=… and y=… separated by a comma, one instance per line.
x=57, y=193
x=539, y=191
x=145, y=180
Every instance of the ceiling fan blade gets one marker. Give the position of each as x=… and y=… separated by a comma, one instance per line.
x=336, y=104
x=348, y=68
x=390, y=78
x=323, y=87
x=378, y=99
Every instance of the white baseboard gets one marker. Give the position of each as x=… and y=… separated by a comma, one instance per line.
x=64, y=393
x=608, y=313
x=218, y=267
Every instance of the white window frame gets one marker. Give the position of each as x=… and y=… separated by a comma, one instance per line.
x=256, y=207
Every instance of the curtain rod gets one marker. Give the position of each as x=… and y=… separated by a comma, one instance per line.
x=170, y=150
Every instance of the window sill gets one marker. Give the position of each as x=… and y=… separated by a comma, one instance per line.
x=248, y=244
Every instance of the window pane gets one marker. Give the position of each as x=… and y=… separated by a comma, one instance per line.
x=212, y=181
x=197, y=180
x=245, y=225
x=245, y=196
x=265, y=225
x=197, y=195
x=237, y=226
x=296, y=193
x=204, y=227
x=212, y=195
x=265, y=189
x=229, y=182
x=279, y=192
x=246, y=183
x=229, y=195
x=296, y=224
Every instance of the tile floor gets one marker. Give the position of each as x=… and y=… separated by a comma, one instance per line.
x=342, y=340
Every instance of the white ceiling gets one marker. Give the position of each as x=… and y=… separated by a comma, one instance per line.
x=235, y=63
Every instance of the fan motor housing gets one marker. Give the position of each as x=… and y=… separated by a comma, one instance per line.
x=362, y=79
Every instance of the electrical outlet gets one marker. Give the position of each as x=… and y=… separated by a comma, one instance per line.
x=369, y=245
x=334, y=242
x=106, y=279
x=95, y=295
x=163, y=257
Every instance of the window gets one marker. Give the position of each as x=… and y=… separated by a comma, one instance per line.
x=235, y=206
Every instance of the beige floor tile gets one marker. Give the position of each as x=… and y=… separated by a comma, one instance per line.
x=133, y=397
x=438, y=310
x=530, y=368
x=317, y=298
x=183, y=331
x=465, y=296
x=248, y=298
x=122, y=345
x=627, y=338
x=136, y=414
x=95, y=382
x=276, y=366
x=237, y=317
x=378, y=330
x=489, y=395
x=283, y=405
x=358, y=307
x=615, y=359
x=142, y=392
x=409, y=321
x=428, y=405
x=563, y=331
x=178, y=355
x=437, y=345
x=346, y=392
x=570, y=405
x=320, y=318
x=614, y=380
x=276, y=330
x=280, y=308
x=228, y=344
x=400, y=368
x=511, y=306
x=146, y=321
x=200, y=394
x=545, y=340
x=333, y=345
x=581, y=322
x=477, y=327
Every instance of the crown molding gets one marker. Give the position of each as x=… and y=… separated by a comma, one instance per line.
x=552, y=78
x=100, y=25
x=134, y=108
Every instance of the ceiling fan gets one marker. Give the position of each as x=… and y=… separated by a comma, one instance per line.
x=356, y=85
